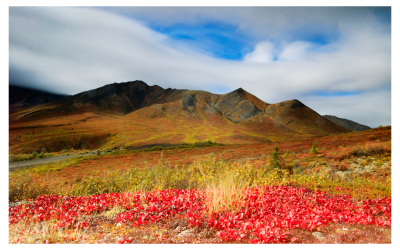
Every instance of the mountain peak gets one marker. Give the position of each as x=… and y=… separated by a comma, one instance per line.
x=295, y=104
x=261, y=105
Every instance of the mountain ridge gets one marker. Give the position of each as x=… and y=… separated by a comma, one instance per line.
x=132, y=114
x=345, y=123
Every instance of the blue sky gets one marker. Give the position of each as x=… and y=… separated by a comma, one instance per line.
x=225, y=40
x=221, y=40
x=333, y=94
x=214, y=38
x=336, y=60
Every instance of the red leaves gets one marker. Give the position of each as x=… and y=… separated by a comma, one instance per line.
x=263, y=216
x=124, y=241
x=194, y=219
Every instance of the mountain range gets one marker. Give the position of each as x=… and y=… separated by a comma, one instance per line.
x=132, y=114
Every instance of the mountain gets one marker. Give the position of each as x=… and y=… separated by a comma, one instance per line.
x=23, y=97
x=116, y=99
x=350, y=125
x=133, y=114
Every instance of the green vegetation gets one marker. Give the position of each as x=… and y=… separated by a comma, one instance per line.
x=230, y=166
x=276, y=161
x=314, y=149
x=28, y=157
x=172, y=147
x=207, y=173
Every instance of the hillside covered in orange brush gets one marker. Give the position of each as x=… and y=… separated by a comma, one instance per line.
x=133, y=114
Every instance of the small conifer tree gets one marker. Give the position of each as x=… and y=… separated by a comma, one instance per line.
x=276, y=160
x=314, y=149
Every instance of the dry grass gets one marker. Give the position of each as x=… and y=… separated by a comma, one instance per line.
x=226, y=195
x=343, y=233
x=368, y=149
x=225, y=181
x=176, y=230
x=43, y=232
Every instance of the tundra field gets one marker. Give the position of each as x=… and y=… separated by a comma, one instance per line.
x=200, y=125
x=320, y=189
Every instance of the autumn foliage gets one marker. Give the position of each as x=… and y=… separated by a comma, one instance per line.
x=263, y=216
x=225, y=194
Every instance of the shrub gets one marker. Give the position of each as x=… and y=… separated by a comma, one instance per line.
x=116, y=152
x=30, y=187
x=276, y=160
x=229, y=177
x=12, y=158
x=370, y=149
x=34, y=154
x=295, y=167
x=314, y=149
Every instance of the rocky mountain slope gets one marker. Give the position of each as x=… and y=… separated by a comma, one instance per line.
x=133, y=114
x=350, y=125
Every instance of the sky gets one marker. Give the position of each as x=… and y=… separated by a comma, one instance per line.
x=335, y=60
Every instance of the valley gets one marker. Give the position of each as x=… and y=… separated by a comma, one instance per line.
x=183, y=166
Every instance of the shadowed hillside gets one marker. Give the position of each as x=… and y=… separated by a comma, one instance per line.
x=350, y=125
x=115, y=99
x=22, y=98
x=133, y=114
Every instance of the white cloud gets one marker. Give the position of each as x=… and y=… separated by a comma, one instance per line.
x=272, y=22
x=371, y=108
x=263, y=52
x=295, y=51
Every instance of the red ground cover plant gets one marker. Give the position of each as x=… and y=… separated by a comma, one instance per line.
x=261, y=215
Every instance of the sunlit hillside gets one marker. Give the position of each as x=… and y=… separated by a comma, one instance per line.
x=132, y=114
